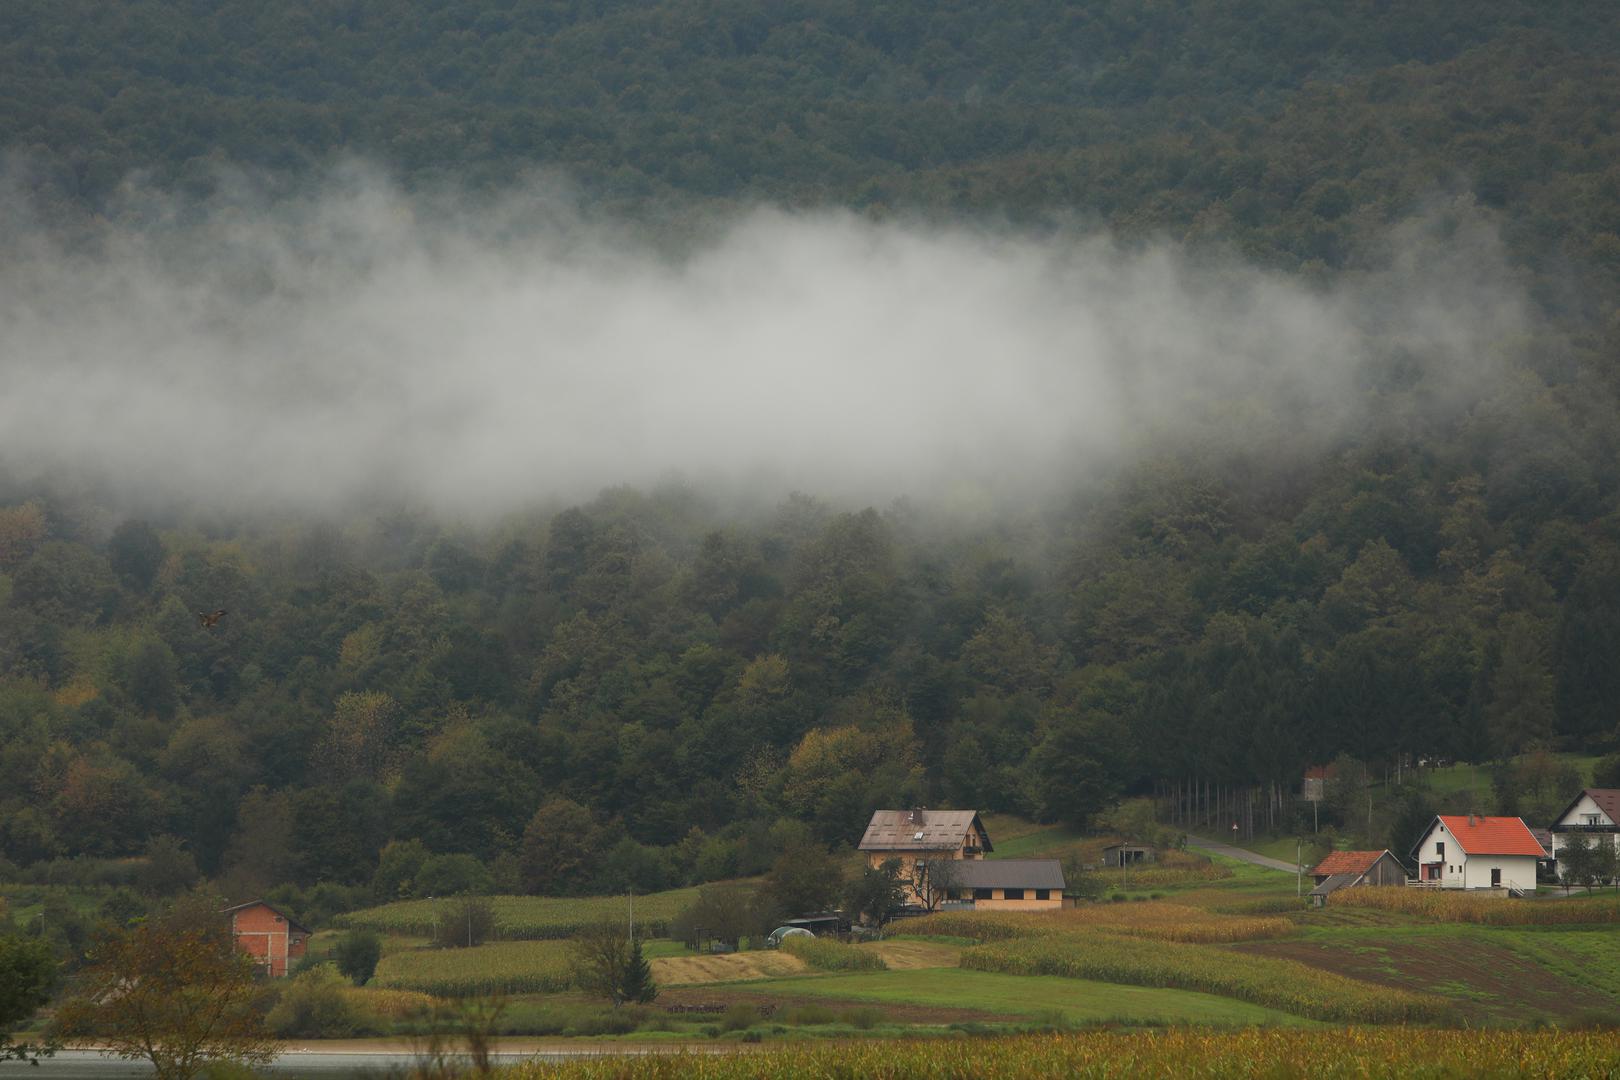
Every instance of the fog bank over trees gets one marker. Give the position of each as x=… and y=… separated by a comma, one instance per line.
x=479, y=354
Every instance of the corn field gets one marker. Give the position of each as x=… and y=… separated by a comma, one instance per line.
x=1163, y=921
x=1264, y=980
x=503, y=967
x=1243, y=1055
x=825, y=955
x=1442, y=905
x=1171, y=945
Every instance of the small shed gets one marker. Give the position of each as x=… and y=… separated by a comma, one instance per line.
x=1346, y=869
x=1128, y=854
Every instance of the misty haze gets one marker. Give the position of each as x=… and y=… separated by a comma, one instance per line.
x=959, y=540
x=363, y=344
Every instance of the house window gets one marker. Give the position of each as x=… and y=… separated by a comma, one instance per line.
x=1440, y=849
x=1043, y=894
x=984, y=894
x=1593, y=819
x=1012, y=894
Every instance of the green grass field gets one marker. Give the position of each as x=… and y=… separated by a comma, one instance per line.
x=531, y=917
x=1078, y=1001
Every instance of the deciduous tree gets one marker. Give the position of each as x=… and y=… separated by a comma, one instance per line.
x=27, y=970
x=175, y=992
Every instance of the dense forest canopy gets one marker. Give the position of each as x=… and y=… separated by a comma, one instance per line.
x=658, y=682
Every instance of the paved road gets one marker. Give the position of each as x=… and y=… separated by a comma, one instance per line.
x=1218, y=848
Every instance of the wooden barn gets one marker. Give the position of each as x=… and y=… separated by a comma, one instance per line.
x=1347, y=869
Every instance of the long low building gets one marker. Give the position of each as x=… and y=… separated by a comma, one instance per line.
x=1007, y=884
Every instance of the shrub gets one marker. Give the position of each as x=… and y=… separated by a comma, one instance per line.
x=810, y=1014
x=357, y=954
x=739, y=1017
x=468, y=921
x=314, y=1006
x=865, y=1017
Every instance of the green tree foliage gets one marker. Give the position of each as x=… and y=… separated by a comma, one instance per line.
x=558, y=845
x=464, y=921
x=314, y=1006
x=135, y=553
x=27, y=972
x=601, y=957
x=876, y=893
x=557, y=701
x=357, y=954
x=726, y=912
x=804, y=878
x=174, y=992
x=637, y=986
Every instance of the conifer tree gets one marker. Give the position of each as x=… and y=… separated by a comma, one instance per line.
x=637, y=987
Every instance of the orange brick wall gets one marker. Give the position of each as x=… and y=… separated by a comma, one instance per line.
x=268, y=938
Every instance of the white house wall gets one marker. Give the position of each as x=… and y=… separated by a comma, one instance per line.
x=1577, y=816
x=1460, y=870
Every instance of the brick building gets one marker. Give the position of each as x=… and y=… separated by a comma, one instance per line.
x=268, y=935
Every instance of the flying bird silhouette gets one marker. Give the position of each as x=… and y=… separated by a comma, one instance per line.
x=208, y=619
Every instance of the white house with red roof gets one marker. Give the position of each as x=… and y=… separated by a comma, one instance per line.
x=1596, y=812
x=1465, y=851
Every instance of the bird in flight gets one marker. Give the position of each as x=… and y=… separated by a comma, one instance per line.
x=209, y=618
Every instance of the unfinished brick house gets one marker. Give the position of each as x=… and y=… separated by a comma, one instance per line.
x=273, y=940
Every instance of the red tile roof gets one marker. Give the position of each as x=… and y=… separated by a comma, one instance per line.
x=1347, y=862
x=1492, y=835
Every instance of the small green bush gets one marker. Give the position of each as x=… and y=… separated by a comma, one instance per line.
x=865, y=1018
x=739, y=1017
x=810, y=1014
x=314, y=1006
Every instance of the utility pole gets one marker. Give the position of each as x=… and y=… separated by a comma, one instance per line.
x=632, y=913
x=1299, y=867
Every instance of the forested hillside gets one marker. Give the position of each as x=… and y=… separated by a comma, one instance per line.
x=660, y=681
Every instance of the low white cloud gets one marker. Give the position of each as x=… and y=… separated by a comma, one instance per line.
x=364, y=343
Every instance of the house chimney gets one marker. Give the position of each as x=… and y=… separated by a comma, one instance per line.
x=1471, y=821
x=916, y=816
